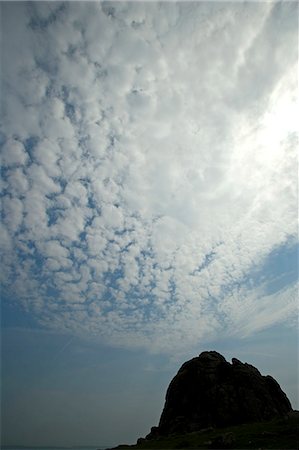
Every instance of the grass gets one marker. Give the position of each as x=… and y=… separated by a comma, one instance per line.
x=280, y=434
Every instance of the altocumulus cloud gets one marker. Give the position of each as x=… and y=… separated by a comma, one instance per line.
x=149, y=156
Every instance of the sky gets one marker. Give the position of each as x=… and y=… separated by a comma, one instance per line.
x=148, y=206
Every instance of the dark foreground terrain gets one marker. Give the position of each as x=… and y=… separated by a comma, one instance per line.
x=282, y=433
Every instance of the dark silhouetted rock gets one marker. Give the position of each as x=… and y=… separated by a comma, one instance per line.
x=209, y=391
x=154, y=434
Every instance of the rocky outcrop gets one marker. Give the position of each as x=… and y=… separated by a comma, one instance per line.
x=209, y=391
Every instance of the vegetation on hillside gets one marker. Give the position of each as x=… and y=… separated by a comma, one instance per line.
x=274, y=434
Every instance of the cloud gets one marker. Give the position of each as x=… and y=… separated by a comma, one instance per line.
x=149, y=166
x=13, y=153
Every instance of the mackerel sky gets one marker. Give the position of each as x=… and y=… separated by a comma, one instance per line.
x=149, y=173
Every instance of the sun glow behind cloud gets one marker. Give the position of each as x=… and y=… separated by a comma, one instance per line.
x=149, y=167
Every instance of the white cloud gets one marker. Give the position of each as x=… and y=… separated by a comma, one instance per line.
x=35, y=219
x=18, y=182
x=13, y=153
x=40, y=180
x=250, y=312
x=13, y=213
x=149, y=157
x=47, y=153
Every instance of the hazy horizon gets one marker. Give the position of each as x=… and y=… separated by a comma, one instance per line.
x=149, y=199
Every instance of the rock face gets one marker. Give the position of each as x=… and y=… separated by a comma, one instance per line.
x=209, y=391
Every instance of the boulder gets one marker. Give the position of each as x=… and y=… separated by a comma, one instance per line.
x=208, y=391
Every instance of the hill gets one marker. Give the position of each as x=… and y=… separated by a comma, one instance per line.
x=212, y=403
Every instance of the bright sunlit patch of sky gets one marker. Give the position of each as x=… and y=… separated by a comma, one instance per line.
x=149, y=171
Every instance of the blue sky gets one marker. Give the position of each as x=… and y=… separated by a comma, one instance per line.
x=149, y=206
